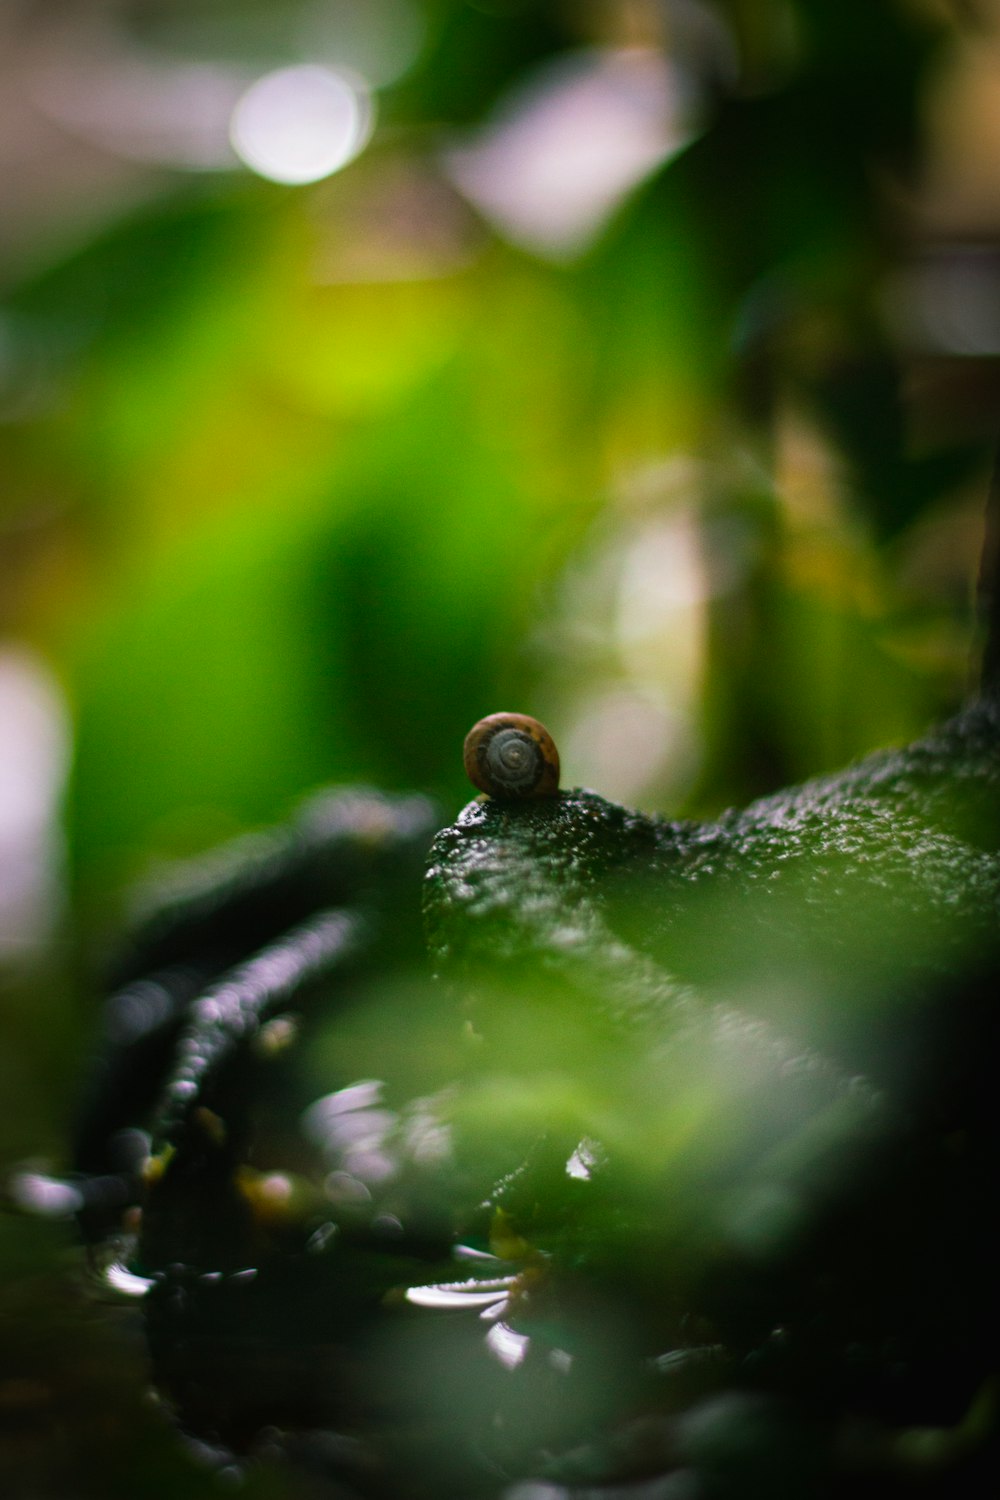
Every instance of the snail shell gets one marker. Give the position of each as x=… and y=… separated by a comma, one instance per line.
x=512, y=755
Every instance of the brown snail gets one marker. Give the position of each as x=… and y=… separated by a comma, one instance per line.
x=512, y=755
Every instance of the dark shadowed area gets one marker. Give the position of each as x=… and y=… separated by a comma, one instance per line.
x=371, y=366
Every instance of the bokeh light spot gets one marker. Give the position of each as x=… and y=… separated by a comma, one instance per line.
x=301, y=124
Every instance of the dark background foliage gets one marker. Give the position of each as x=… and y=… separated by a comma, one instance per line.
x=300, y=480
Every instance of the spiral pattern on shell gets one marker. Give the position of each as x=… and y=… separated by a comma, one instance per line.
x=513, y=756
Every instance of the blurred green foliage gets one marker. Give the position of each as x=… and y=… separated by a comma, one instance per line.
x=299, y=482
x=289, y=527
